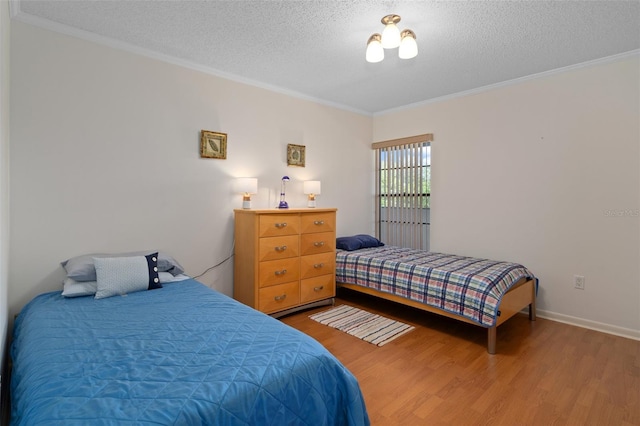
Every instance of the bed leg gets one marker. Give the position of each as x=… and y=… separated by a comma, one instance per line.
x=532, y=305
x=532, y=312
x=491, y=339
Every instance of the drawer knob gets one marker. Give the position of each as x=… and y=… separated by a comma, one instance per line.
x=281, y=248
x=278, y=273
x=281, y=225
x=319, y=288
x=318, y=222
x=318, y=265
x=318, y=243
x=280, y=298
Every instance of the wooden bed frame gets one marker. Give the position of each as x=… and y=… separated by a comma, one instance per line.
x=520, y=296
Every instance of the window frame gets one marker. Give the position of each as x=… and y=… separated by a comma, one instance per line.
x=411, y=209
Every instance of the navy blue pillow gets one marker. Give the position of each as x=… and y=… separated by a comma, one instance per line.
x=356, y=242
x=348, y=243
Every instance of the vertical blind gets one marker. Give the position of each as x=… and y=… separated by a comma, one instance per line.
x=403, y=184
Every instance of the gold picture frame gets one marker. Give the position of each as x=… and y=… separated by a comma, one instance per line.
x=295, y=155
x=213, y=145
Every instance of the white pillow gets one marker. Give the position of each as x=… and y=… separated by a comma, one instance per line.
x=73, y=288
x=122, y=275
x=82, y=268
x=168, y=277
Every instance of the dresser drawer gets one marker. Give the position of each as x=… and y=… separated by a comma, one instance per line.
x=317, y=288
x=271, y=248
x=321, y=242
x=280, y=271
x=317, y=264
x=318, y=222
x=279, y=297
x=273, y=225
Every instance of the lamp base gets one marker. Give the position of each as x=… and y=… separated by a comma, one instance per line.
x=283, y=205
x=311, y=203
x=246, y=204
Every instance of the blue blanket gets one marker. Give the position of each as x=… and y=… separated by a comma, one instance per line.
x=183, y=354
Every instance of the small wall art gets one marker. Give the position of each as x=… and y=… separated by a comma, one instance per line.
x=295, y=155
x=213, y=145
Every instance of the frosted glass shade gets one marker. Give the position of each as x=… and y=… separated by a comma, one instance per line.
x=375, y=52
x=390, y=36
x=408, y=46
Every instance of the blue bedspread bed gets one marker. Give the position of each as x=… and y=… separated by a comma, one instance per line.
x=465, y=286
x=183, y=354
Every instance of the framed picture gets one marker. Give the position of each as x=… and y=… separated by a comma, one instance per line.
x=213, y=145
x=295, y=155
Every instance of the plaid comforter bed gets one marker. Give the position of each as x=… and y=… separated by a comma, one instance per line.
x=465, y=286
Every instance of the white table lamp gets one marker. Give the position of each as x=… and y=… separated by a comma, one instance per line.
x=246, y=186
x=311, y=188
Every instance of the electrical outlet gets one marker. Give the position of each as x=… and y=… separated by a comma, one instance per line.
x=578, y=282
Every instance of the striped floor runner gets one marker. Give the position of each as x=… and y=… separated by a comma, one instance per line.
x=369, y=327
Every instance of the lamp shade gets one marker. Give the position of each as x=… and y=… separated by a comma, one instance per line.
x=408, y=46
x=375, y=52
x=311, y=187
x=390, y=36
x=246, y=185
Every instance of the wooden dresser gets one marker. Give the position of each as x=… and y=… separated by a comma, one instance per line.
x=284, y=258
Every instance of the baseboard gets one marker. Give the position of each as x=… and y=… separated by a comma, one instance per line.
x=592, y=325
x=324, y=302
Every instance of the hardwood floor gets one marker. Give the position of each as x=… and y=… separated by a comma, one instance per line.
x=544, y=372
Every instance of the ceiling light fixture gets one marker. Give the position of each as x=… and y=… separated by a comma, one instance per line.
x=391, y=38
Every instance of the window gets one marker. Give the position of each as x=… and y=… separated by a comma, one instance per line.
x=403, y=190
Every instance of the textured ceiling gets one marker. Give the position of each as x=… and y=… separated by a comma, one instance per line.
x=316, y=49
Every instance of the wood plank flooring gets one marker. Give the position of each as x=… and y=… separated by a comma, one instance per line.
x=544, y=372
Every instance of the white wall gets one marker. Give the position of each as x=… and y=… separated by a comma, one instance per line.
x=546, y=173
x=105, y=157
x=4, y=183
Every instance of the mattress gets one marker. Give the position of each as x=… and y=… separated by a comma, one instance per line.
x=183, y=354
x=465, y=286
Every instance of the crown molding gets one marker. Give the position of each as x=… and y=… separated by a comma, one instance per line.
x=544, y=74
x=119, y=45
x=16, y=13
